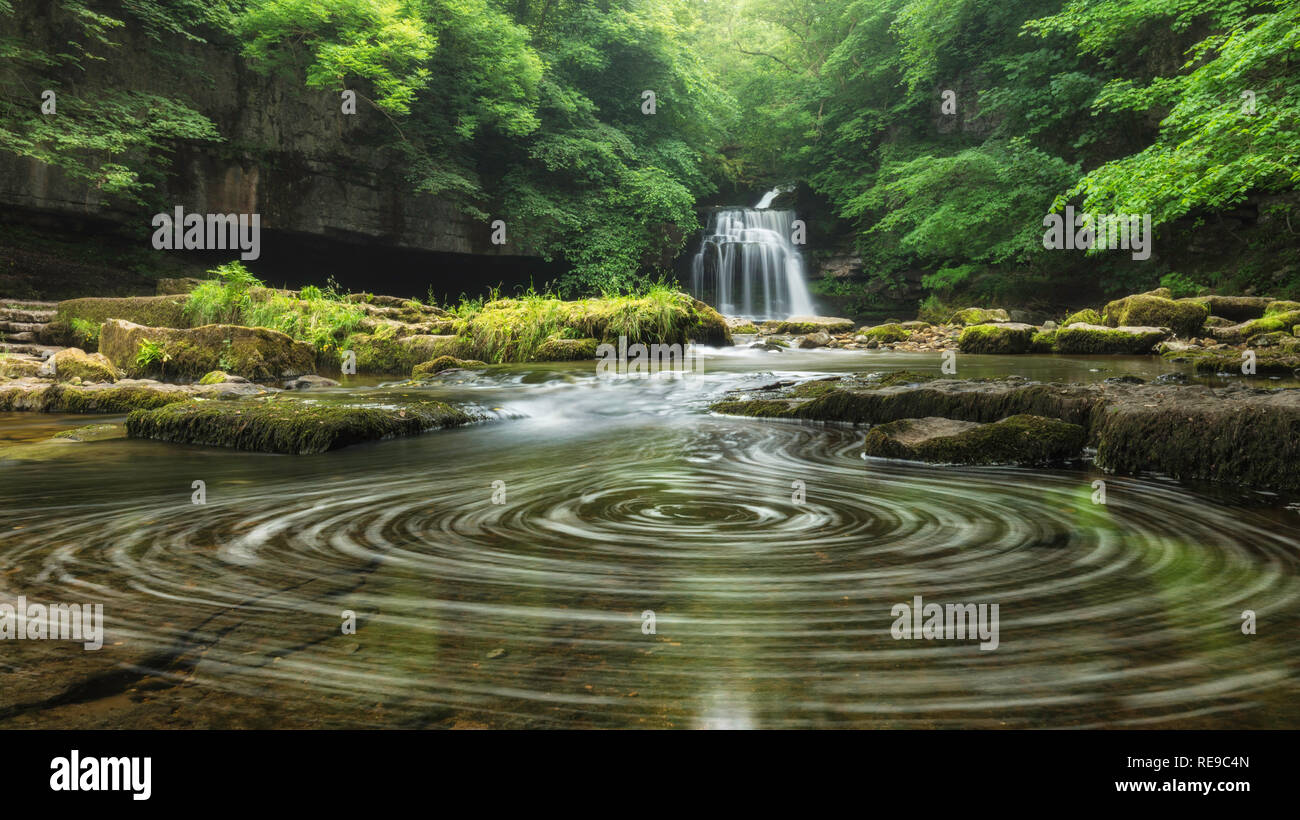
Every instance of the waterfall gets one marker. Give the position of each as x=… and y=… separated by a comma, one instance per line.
x=747, y=265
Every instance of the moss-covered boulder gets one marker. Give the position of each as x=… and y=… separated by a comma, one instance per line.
x=1271, y=323
x=978, y=316
x=1087, y=339
x=566, y=350
x=388, y=354
x=1235, y=308
x=886, y=334
x=214, y=377
x=1088, y=316
x=1279, y=307
x=1003, y=337
x=256, y=353
x=151, y=311
x=799, y=325
x=18, y=366
x=73, y=363
x=119, y=397
x=280, y=425
x=1269, y=361
x=442, y=363
x=1020, y=439
x=1184, y=316
x=1044, y=341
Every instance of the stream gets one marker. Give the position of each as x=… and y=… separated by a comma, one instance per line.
x=502, y=574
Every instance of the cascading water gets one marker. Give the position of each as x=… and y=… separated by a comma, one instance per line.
x=748, y=266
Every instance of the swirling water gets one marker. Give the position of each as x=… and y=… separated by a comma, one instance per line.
x=502, y=575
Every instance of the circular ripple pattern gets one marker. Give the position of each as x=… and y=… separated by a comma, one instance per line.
x=772, y=558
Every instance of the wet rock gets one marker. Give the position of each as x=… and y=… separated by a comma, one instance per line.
x=442, y=363
x=283, y=425
x=309, y=382
x=813, y=340
x=1235, y=308
x=1019, y=439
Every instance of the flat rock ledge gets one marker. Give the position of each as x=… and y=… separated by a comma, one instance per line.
x=1235, y=434
x=1019, y=440
x=290, y=426
x=122, y=396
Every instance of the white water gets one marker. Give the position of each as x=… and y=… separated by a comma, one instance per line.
x=747, y=265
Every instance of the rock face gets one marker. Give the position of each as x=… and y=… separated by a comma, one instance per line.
x=1020, y=439
x=252, y=352
x=287, y=154
x=1234, y=434
x=1082, y=338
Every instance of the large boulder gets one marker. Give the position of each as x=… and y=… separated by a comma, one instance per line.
x=978, y=316
x=886, y=334
x=256, y=353
x=1185, y=317
x=1081, y=338
x=1236, y=308
x=74, y=363
x=1003, y=337
x=1019, y=439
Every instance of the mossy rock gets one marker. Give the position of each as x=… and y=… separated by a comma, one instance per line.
x=1004, y=337
x=1269, y=324
x=747, y=328
x=19, y=367
x=73, y=363
x=1020, y=439
x=1088, y=316
x=886, y=334
x=978, y=316
x=898, y=377
x=381, y=354
x=255, y=353
x=67, y=398
x=1279, y=307
x=1218, y=321
x=800, y=325
x=566, y=350
x=442, y=363
x=290, y=426
x=150, y=311
x=1184, y=317
x=93, y=432
x=1274, y=361
x=1235, y=308
x=1044, y=341
x=1118, y=340
x=214, y=377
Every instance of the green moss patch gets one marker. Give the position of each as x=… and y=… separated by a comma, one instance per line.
x=1087, y=316
x=566, y=350
x=799, y=325
x=886, y=334
x=72, y=363
x=152, y=311
x=288, y=426
x=67, y=398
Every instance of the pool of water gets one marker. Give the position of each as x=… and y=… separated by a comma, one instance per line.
x=612, y=555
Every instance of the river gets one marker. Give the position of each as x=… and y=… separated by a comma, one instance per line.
x=608, y=554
